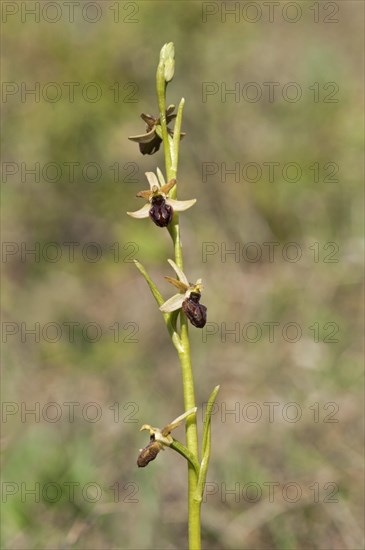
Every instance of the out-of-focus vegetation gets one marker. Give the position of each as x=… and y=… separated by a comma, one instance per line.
x=136, y=382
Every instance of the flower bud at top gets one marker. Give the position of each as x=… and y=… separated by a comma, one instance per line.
x=167, y=57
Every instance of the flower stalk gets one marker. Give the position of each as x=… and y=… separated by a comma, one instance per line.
x=171, y=151
x=163, y=208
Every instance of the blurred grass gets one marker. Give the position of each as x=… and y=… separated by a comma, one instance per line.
x=108, y=291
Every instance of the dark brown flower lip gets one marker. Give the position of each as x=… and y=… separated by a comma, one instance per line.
x=194, y=310
x=149, y=453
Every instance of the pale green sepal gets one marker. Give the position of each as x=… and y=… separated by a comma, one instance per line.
x=179, y=272
x=143, y=138
x=173, y=303
x=177, y=421
x=180, y=206
x=141, y=213
x=152, y=180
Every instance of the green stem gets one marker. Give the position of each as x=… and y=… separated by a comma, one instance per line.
x=191, y=435
x=174, y=230
x=171, y=151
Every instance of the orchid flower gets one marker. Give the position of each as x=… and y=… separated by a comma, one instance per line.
x=160, y=207
x=188, y=298
x=150, y=141
x=159, y=438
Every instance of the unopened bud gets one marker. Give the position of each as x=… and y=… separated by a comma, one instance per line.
x=167, y=56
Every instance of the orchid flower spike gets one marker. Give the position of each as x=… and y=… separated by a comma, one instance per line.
x=188, y=299
x=160, y=207
x=159, y=438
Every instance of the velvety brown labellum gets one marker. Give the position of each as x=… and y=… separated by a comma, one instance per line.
x=150, y=147
x=160, y=212
x=148, y=454
x=194, y=311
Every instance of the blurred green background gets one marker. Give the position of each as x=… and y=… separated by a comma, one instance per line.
x=130, y=375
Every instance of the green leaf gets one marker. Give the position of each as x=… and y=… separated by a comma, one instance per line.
x=176, y=139
x=205, y=446
x=173, y=318
x=156, y=293
x=170, y=320
x=207, y=418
